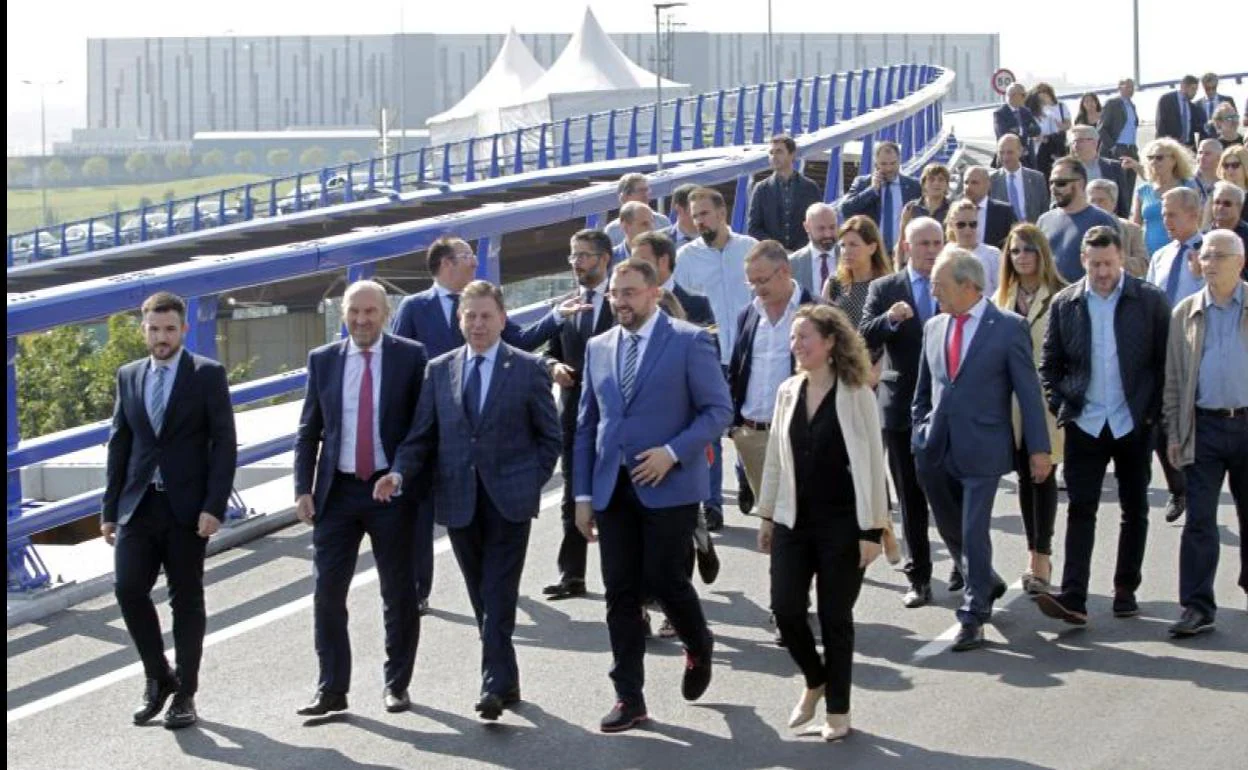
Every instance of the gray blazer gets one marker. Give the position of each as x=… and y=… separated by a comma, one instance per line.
x=1035, y=191
x=800, y=262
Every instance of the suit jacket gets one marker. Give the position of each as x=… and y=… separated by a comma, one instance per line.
x=766, y=215
x=697, y=307
x=568, y=347
x=1024, y=126
x=1035, y=191
x=742, y=361
x=1141, y=323
x=1113, y=120
x=1113, y=171
x=800, y=262
x=196, y=449
x=964, y=424
x=998, y=219
x=902, y=346
x=862, y=198
x=421, y=318
x=678, y=401
x=512, y=450
x=319, y=437
x=1170, y=122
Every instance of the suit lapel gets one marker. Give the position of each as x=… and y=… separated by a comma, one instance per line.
x=387, y=348
x=338, y=373
x=938, y=340
x=986, y=322
x=457, y=381
x=654, y=348
x=498, y=382
x=138, y=392
x=181, y=381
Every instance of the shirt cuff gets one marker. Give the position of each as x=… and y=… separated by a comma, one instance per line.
x=584, y=499
x=892, y=327
x=675, y=459
x=872, y=535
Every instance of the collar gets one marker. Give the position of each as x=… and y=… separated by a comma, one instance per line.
x=669, y=284
x=977, y=310
x=1193, y=242
x=1113, y=295
x=441, y=290
x=915, y=275
x=355, y=350
x=1206, y=297
x=490, y=354
x=647, y=329
x=171, y=363
x=795, y=300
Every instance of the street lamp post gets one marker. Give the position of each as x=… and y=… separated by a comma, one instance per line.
x=43, y=146
x=767, y=59
x=1136, y=39
x=658, y=80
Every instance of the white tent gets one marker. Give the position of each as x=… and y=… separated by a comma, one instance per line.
x=513, y=72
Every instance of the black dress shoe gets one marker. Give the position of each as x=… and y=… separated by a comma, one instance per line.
x=181, y=712
x=708, y=562
x=1125, y=605
x=956, y=581
x=1192, y=623
x=998, y=590
x=490, y=707
x=1175, y=508
x=745, y=499
x=565, y=589
x=624, y=716
x=1056, y=607
x=396, y=701
x=697, y=673
x=969, y=637
x=155, y=693
x=714, y=519
x=323, y=703
x=917, y=596
x=422, y=606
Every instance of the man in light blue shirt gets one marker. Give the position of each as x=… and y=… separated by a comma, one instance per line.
x=1106, y=400
x=1174, y=267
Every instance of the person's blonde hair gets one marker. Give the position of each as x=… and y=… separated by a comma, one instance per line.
x=849, y=360
x=955, y=208
x=1240, y=152
x=1184, y=161
x=1032, y=236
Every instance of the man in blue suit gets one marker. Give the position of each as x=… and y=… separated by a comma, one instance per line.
x=360, y=402
x=651, y=402
x=883, y=193
x=429, y=317
x=975, y=358
x=1013, y=118
x=486, y=426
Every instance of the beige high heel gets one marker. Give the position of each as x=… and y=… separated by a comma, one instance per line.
x=836, y=728
x=804, y=711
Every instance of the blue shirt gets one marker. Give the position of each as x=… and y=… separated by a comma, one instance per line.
x=1166, y=260
x=487, y=371
x=916, y=292
x=1223, y=377
x=1127, y=134
x=149, y=391
x=1065, y=234
x=1105, y=400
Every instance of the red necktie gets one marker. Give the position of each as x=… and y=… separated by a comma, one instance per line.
x=364, y=422
x=954, y=353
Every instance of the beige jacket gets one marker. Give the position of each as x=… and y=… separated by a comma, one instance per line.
x=1037, y=324
x=1183, y=349
x=1135, y=255
x=859, y=416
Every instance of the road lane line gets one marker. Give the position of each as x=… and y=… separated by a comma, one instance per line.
x=945, y=640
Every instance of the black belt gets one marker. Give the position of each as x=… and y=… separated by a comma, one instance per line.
x=1228, y=414
x=352, y=477
x=756, y=425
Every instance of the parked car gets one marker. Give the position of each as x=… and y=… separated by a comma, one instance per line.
x=335, y=188
x=157, y=225
x=76, y=241
x=24, y=247
x=210, y=215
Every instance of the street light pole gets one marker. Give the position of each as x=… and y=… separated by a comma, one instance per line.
x=767, y=59
x=1135, y=4
x=658, y=81
x=43, y=147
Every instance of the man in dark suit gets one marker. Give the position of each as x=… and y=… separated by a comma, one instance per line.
x=635, y=218
x=1119, y=128
x=976, y=362
x=360, y=402
x=995, y=217
x=815, y=263
x=897, y=307
x=171, y=458
x=1013, y=118
x=1026, y=189
x=779, y=202
x=651, y=402
x=883, y=193
x=1103, y=368
x=1178, y=117
x=487, y=427
x=429, y=317
x=1210, y=99
x=1083, y=143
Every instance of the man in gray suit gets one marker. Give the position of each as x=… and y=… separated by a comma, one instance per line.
x=816, y=261
x=1025, y=189
x=975, y=359
x=486, y=421
x=1118, y=128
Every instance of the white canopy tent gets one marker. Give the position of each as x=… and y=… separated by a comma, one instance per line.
x=514, y=71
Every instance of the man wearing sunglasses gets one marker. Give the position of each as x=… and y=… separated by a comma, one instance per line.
x=1227, y=201
x=1071, y=216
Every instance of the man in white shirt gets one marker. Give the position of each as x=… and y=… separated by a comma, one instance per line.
x=632, y=187
x=1025, y=189
x=815, y=262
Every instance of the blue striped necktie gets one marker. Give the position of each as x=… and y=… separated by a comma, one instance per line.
x=156, y=405
x=628, y=377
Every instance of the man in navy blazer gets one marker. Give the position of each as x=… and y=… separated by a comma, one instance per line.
x=778, y=203
x=976, y=361
x=486, y=426
x=1083, y=145
x=171, y=458
x=1013, y=118
x=430, y=318
x=1180, y=118
x=360, y=402
x=885, y=191
x=651, y=402
x=995, y=217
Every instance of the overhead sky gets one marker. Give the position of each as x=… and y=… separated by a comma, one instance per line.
x=1074, y=41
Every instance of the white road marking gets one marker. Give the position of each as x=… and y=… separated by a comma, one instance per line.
x=945, y=640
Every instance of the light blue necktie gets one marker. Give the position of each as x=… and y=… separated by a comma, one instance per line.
x=887, y=222
x=1016, y=197
x=628, y=378
x=156, y=399
x=1172, y=281
x=1184, y=120
x=922, y=298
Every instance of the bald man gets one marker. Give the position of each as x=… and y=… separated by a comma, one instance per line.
x=816, y=261
x=1025, y=189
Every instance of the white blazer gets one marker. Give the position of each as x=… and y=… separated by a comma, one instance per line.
x=859, y=416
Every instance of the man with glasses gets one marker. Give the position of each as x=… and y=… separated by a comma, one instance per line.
x=1118, y=128
x=1103, y=194
x=1071, y=216
x=1211, y=98
x=1227, y=202
x=1083, y=146
x=1103, y=355
x=1205, y=408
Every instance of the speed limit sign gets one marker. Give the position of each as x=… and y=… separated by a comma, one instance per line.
x=1001, y=80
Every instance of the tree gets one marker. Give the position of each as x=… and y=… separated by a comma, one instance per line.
x=96, y=168
x=213, y=160
x=16, y=168
x=57, y=171
x=245, y=159
x=139, y=164
x=278, y=158
x=313, y=157
x=178, y=161
x=349, y=156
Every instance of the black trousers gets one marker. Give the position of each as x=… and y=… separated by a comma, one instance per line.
x=644, y=555
x=153, y=538
x=1086, y=460
x=827, y=550
x=1038, y=503
x=1176, y=483
x=914, y=511
x=1221, y=453
x=574, y=548
x=350, y=514
x=490, y=552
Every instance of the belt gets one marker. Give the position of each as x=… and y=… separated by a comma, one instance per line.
x=352, y=477
x=1229, y=414
x=756, y=425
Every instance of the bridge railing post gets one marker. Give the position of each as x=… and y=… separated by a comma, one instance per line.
x=609, y=154
x=740, y=203
x=489, y=267
x=738, y=123
x=777, y=108
x=26, y=570
x=812, y=124
x=832, y=181
x=795, y=114
x=698, y=123
x=565, y=147
x=758, y=114
x=677, y=144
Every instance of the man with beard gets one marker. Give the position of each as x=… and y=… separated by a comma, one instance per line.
x=171, y=458
x=815, y=262
x=779, y=200
x=1071, y=216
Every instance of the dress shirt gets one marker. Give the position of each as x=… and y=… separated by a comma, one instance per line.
x=1165, y=260
x=933, y=305
x=787, y=189
x=816, y=268
x=600, y=296
x=1093, y=171
x=990, y=258
x=770, y=359
x=968, y=330
x=1014, y=181
x=981, y=217
x=149, y=387
x=615, y=230
x=448, y=304
x=719, y=274
x=1129, y=126
x=893, y=190
x=352, y=375
x=487, y=370
x=1106, y=399
x=1221, y=383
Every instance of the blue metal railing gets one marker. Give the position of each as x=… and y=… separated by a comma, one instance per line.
x=1238, y=77
x=914, y=116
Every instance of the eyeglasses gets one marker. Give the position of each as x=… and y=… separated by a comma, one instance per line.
x=1228, y=118
x=1223, y=202
x=581, y=256
x=1155, y=158
x=964, y=225
x=755, y=284
x=1061, y=182
x=1029, y=249
x=1232, y=164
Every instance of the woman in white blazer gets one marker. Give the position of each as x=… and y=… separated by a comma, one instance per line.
x=822, y=503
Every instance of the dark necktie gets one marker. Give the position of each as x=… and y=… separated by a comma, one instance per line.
x=472, y=392
x=954, y=353
x=1172, y=280
x=887, y=222
x=823, y=271
x=587, y=316
x=456, y=334
x=156, y=406
x=364, y=421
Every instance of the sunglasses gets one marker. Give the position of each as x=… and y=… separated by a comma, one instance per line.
x=964, y=225
x=1060, y=182
x=1155, y=158
x=1232, y=164
x=1016, y=250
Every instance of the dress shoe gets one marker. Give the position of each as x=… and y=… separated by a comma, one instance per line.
x=892, y=548
x=1192, y=623
x=490, y=707
x=625, y=716
x=697, y=673
x=969, y=637
x=565, y=589
x=511, y=697
x=836, y=727
x=422, y=606
x=396, y=701
x=804, y=711
x=1125, y=605
x=714, y=519
x=1175, y=508
x=323, y=703
x=917, y=596
x=1055, y=607
x=998, y=590
x=708, y=562
x=745, y=499
x=956, y=581
x=181, y=712
x=155, y=693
